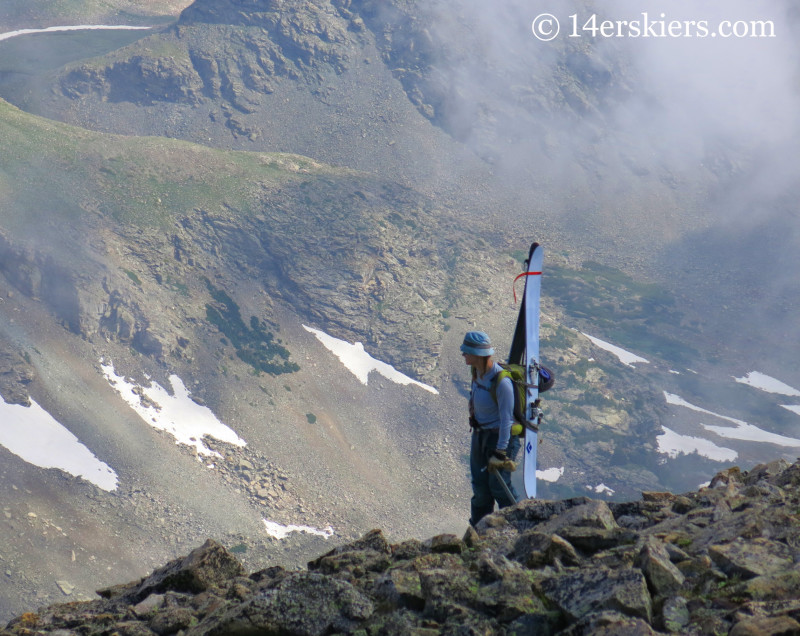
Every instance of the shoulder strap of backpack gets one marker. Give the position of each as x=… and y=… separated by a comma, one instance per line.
x=471, y=396
x=504, y=373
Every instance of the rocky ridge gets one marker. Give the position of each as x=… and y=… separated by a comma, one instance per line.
x=132, y=281
x=230, y=52
x=235, y=52
x=719, y=560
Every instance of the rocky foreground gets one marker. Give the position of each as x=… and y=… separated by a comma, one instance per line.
x=723, y=560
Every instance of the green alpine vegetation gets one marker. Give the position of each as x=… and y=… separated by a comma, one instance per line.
x=365, y=239
x=32, y=12
x=628, y=312
x=254, y=345
x=49, y=168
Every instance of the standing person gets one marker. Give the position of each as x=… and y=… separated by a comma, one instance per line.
x=491, y=414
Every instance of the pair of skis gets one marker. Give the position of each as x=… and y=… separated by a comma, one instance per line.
x=525, y=351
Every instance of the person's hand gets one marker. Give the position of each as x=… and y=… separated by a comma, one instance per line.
x=499, y=461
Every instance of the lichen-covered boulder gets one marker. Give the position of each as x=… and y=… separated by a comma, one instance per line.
x=582, y=592
x=209, y=565
x=305, y=604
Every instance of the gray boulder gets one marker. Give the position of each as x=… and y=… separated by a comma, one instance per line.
x=749, y=559
x=663, y=577
x=305, y=604
x=580, y=593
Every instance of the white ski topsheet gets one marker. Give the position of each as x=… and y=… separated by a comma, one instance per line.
x=533, y=284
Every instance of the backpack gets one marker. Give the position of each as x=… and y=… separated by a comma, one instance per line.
x=517, y=374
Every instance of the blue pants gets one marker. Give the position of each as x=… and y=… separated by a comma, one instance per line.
x=486, y=488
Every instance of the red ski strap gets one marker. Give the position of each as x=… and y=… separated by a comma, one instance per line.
x=514, y=284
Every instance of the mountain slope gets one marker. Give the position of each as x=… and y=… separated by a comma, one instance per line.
x=150, y=263
x=359, y=237
x=43, y=13
x=368, y=85
x=163, y=258
x=133, y=261
x=586, y=139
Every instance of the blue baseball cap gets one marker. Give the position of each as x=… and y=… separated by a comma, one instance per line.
x=477, y=343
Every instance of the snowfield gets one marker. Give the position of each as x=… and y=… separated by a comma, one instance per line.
x=601, y=488
x=768, y=384
x=626, y=357
x=741, y=431
x=79, y=27
x=184, y=419
x=361, y=364
x=673, y=444
x=550, y=474
x=34, y=435
x=279, y=531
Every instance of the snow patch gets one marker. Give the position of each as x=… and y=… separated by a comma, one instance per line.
x=32, y=434
x=626, y=357
x=602, y=488
x=794, y=408
x=184, y=419
x=551, y=474
x=742, y=431
x=750, y=433
x=279, y=531
x=360, y=363
x=768, y=384
x=673, y=444
x=79, y=27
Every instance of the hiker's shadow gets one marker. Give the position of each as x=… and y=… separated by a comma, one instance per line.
x=462, y=386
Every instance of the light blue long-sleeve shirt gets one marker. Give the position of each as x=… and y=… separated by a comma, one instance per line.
x=489, y=414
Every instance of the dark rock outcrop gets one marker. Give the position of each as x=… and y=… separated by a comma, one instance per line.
x=208, y=566
x=233, y=51
x=516, y=573
x=38, y=275
x=376, y=266
x=16, y=373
